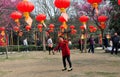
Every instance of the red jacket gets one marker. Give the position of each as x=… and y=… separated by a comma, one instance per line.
x=64, y=47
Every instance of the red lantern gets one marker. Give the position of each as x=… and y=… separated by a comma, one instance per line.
x=118, y=2
x=2, y=28
x=41, y=18
x=28, y=27
x=95, y=4
x=72, y=27
x=84, y=19
x=25, y=7
x=91, y=28
x=73, y=31
x=62, y=28
x=102, y=19
x=62, y=19
x=16, y=16
x=82, y=27
x=16, y=29
x=62, y=4
x=40, y=27
x=102, y=26
x=51, y=26
x=94, y=29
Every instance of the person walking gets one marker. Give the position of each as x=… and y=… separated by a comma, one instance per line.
x=63, y=44
x=115, y=42
x=50, y=45
x=81, y=44
x=25, y=43
x=91, y=46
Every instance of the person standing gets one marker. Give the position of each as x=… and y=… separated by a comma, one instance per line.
x=50, y=45
x=115, y=42
x=81, y=44
x=25, y=43
x=63, y=44
x=91, y=46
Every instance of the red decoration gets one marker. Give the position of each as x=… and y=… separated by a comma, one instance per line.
x=28, y=27
x=2, y=28
x=16, y=29
x=94, y=1
x=118, y=2
x=16, y=16
x=102, y=19
x=92, y=28
x=82, y=27
x=41, y=17
x=72, y=27
x=62, y=4
x=51, y=26
x=25, y=6
x=73, y=31
x=40, y=27
x=84, y=19
x=62, y=19
x=102, y=26
x=62, y=28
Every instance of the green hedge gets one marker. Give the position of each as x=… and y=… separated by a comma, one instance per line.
x=35, y=48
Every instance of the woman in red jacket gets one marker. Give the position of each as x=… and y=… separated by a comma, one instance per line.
x=63, y=44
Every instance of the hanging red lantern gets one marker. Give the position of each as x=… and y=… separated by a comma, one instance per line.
x=94, y=29
x=2, y=28
x=118, y=2
x=84, y=19
x=91, y=28
x=28, y=27
x=72, y=27
x=95, y=4
x=51, y=26
x=62, y=28
x=16, y=29
x=102, y=26
x=16, y=16
x=62, y=19
x=40, y=27
x=102, y=19
x=82, y=28
x=62, y=4
x=25, y=7
x=73, y=31
x=41, y=18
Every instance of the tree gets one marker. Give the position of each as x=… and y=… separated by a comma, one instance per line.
x=6, y=7
x=115, y=16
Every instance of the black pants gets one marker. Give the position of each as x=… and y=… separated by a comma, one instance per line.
x=91, y=48
x=68, y=59
x=115, y=46
x=50, y=49
x=81, y=47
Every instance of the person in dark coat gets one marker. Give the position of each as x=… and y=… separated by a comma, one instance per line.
x=63, y=44
x=115, y=42
x=91, y=46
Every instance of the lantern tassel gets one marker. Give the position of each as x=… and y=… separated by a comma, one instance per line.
x=65, y=25
x=26, y=15
x=63, y=10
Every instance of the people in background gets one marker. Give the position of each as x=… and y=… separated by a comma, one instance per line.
x=50, y=45
x=25, y=43
x=91, y=44
x=115, y=42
